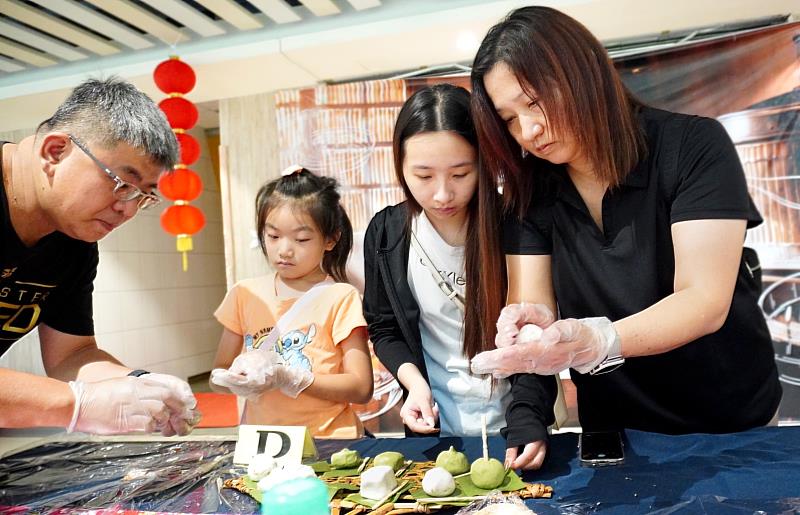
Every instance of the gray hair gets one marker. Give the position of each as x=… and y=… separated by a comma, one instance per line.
x=113, y=111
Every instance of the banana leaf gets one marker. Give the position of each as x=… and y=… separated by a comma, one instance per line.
x=511, y=483
x=251, y=489
x=320, y=466
x=335, y=488
x=370, y=503
x=341, y=472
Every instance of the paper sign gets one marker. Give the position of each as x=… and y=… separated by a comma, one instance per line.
x=286, y=444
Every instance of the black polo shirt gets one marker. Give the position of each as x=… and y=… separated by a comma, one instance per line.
x=722, y=382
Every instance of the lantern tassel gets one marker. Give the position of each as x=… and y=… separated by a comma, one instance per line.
x=184, y=245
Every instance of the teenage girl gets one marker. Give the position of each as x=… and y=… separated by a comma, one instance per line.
x=421, y=298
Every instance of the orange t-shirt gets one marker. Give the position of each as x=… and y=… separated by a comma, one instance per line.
x=251, y=308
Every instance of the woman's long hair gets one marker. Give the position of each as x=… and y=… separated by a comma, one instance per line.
x=576, y=82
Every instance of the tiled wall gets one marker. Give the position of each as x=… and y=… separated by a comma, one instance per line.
x=147, y=311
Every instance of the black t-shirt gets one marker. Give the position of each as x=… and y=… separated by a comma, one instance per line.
x=725, y=381
x=50, y=282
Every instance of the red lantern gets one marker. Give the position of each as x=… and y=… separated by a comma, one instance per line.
x=174, y=76
x=182, y=219
x=181, y=114
x=177, y=78
x=190, y=149
x=180, y=184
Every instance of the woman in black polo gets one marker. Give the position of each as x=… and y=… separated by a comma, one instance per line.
x=626, y=220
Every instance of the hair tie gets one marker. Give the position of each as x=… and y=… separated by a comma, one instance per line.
x=291, y=170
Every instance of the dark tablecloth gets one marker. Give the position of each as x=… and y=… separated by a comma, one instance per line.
x=735, y=473
x=756, y=471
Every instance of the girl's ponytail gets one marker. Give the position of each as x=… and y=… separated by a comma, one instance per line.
x=335, y=260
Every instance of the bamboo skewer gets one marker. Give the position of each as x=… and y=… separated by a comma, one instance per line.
x=483, y=437
x=389, y=495
x=363, y=465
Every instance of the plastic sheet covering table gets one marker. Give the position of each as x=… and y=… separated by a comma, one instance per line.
x=756, y=471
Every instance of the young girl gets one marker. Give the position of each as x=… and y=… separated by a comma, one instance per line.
x=415, y=253
x=294, y=342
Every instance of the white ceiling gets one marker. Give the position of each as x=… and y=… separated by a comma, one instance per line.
x=240, y=47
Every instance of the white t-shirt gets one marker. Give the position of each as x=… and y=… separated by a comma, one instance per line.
x=462, y=397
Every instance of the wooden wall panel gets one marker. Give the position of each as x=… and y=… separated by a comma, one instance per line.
x=248, y=158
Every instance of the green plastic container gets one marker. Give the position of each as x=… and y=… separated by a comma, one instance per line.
x=306, y=496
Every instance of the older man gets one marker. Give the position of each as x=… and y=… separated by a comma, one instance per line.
x=86, y=171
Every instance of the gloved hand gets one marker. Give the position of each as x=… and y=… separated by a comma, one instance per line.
x=258, y=371
x=183, y=415
x=514, y=316
x=579, y=344
x=419, y=412
x=121, y=405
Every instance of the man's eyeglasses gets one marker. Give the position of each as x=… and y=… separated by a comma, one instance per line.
x=123, y=190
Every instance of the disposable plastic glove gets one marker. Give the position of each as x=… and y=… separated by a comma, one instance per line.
x=292, y=380
x=121, y=405
x=579, y=344
x=183, y=415
x=258, y=371
x=514, y=316
x=249, y=375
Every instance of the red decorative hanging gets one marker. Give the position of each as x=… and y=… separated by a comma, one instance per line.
x=190, y=149
x=182, y=219
x=181, y=114
x=174, y=76
x=181, y=185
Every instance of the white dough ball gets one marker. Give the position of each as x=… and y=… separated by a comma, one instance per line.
x=260, y=466
x=529, y=333
x=438, y=482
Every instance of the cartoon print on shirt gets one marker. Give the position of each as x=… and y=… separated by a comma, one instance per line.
x=290, y=347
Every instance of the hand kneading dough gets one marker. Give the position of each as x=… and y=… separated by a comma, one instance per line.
x=377, y=482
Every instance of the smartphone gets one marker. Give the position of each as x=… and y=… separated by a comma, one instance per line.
x=602, y=448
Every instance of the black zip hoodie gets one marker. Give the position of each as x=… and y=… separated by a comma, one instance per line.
x=393, y=318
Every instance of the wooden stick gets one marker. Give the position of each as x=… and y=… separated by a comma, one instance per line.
x=483, y=437
x=406, y=465
x=383, y=510
x=450, y=499
x=363, y=465
x=415, y=507
x=389, y=495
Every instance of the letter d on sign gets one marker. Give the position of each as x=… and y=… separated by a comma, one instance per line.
x=262, y=442
x=286, y=444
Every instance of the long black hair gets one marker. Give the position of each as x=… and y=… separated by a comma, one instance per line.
x=445, y=107
x=319, y=197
